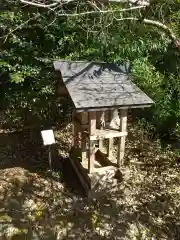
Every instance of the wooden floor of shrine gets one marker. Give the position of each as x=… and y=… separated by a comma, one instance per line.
x=102, y=165
x=101, y=161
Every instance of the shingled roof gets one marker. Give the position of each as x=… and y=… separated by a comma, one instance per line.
x=94, y=86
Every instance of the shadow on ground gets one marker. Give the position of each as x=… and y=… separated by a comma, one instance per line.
x=25, y=150
x=35, y=205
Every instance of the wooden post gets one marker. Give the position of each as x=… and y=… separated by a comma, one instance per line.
x=101, y=122
x=91, y=147
x=110, y=142
x=84, y=121
x=110, y=147
x=75, y=130
x=121, y=140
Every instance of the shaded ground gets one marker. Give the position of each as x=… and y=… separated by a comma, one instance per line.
x=36, y=206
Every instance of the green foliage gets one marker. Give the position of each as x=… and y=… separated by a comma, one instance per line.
x=37, y=38
x=17, y=77
x=164, y=90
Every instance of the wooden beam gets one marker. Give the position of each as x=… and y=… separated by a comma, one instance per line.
x=121, y=140
x=81, y=173
x=85, y=126
x=106, y=133
x=111, y=108
x=91, y=148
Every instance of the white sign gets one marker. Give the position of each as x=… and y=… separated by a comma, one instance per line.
x=48, y=137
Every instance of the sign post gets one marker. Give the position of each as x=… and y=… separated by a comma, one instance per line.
x=48, y=140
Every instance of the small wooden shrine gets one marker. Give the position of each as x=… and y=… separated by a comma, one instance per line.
x=101, y=94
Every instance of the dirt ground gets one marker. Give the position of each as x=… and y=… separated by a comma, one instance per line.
x=36, y=205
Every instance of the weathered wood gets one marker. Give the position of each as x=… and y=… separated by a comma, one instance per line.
x=121, y=141
x=91, y=156
x=85, y=164
x=74, y=157
x=107, y=133
x=98, y=125
x=101, y=124
x=101, y=144
x=100, y=119
x=76, y=131
x=111, y=108
x=112, y=116
x=84, y=120
x=110, y=147
x=103, y=159
x=114, y=122
x=107, y=115
x=92, y=122
x=91, y=148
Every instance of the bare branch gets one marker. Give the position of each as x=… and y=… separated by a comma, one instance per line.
x=39, y=4
x=153, y=23
x=142, y=3
x=99, y=11
x=52, y=5
x=93, y=5
x=136, y=2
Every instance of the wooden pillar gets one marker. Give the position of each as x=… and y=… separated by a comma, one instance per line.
x=121, y=140
x=75, y=130
x=84, y=121
x=110, y=147
x=112, y=115
x=91, y=147
x=101, y=123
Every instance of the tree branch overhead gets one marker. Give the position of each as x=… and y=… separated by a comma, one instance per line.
x=98, y=6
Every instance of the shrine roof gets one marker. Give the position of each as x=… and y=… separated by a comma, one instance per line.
x=93, y=85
